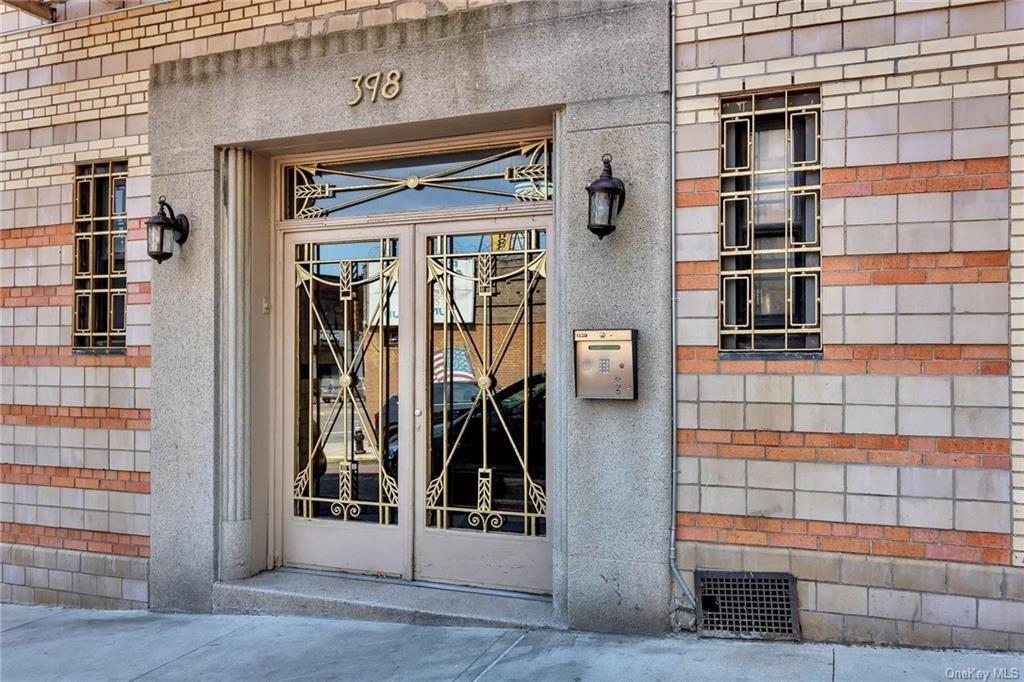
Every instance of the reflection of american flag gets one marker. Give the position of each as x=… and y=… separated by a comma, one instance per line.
x=460, y=370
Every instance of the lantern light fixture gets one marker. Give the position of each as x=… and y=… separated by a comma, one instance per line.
x=163, y=228
x=607, y=195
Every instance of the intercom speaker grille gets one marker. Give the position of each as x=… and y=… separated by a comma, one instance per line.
x=747, y=605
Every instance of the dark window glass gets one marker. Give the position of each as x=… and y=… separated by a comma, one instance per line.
x=735, y=232
x=737, y=138
x=117, y=313
x=804, y=136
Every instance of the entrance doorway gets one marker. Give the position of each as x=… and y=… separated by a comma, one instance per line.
x=415, y=401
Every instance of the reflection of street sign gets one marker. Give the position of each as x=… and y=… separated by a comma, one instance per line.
x=335, y=334
x=463, y=292
x=373, y=291
x=461, y=289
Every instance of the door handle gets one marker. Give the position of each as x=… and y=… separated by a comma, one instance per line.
x=418, y=412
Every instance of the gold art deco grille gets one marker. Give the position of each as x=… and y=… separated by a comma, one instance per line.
x=100, y=266
x=769, y=222
x=346, y=458
x=486, y=462
x=510, y=173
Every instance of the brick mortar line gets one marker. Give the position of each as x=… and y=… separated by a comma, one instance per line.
x=853, y=538
x=873, y=269
x=57, y=234
x=844, y=65
x=37, y=296
x=133, y=19
x=86, y=417
x=894, y=359
x=64, y=356
x=846, y=448
x=810, y=575
x=84, y=478
x=855, y=11
x=73, y=538
x=921, y=177
x=916, y=177
x=64, y=297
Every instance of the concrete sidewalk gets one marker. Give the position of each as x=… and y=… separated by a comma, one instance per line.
x=38, y=643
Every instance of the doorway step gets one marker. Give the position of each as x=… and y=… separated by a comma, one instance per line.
x=297, y=591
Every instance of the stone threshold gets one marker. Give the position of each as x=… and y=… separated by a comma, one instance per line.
x=296, y=591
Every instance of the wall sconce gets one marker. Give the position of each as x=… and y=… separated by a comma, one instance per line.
x=607, y=196
x=162, y=228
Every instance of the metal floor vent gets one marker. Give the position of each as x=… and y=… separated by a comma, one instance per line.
x=747, y=605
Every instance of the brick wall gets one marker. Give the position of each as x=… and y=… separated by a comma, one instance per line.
x=74, y=428
x=892, y=447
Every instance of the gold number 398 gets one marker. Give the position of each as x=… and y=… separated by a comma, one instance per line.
x=378, y=84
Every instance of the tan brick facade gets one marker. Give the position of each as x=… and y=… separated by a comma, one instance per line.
x=74, y=428
x=885, y=472
x=895, y=442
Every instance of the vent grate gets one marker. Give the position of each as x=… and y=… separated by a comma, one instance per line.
x=748, y=605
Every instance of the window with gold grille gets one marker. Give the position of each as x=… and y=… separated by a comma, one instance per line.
x=769, y=222
x=100, y=263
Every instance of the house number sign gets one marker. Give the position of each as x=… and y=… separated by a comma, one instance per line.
x=380, y=84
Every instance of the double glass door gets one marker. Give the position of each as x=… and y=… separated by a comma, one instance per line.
x=417, y=442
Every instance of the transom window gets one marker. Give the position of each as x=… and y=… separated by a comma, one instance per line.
x=100, y=267
x=769, y=236
x=450, y=180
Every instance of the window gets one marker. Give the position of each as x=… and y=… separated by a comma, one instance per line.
x=769, y=229
x=100, y=268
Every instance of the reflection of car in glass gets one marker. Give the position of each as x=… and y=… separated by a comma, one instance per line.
x=463, y=394
x=507, y=472
x=329, y=389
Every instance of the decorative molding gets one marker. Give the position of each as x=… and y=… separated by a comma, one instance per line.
x=390, y=37
x=234, y=348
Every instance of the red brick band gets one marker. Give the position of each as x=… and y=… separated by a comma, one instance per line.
x=966, y=453
x=72, y=538
x=901, y=359
x=854, y=538
x=85, y=417
x=697, y=275
x=140, y=292
x=697, y=192
x=57, y=235
x=861, y=181
x=916, y=268
x=21, y=297
x=914, y=178
x=867, y=270
x=64, y=356
x=46, y=235
x=76, y=477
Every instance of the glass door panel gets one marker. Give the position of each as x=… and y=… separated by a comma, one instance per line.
x=482, y=429
x=486, y=343
x=455, y=374
x=347, y=334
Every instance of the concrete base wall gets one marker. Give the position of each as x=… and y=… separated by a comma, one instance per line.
x=884, y=600
x=66, y=577
x=606, y=68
